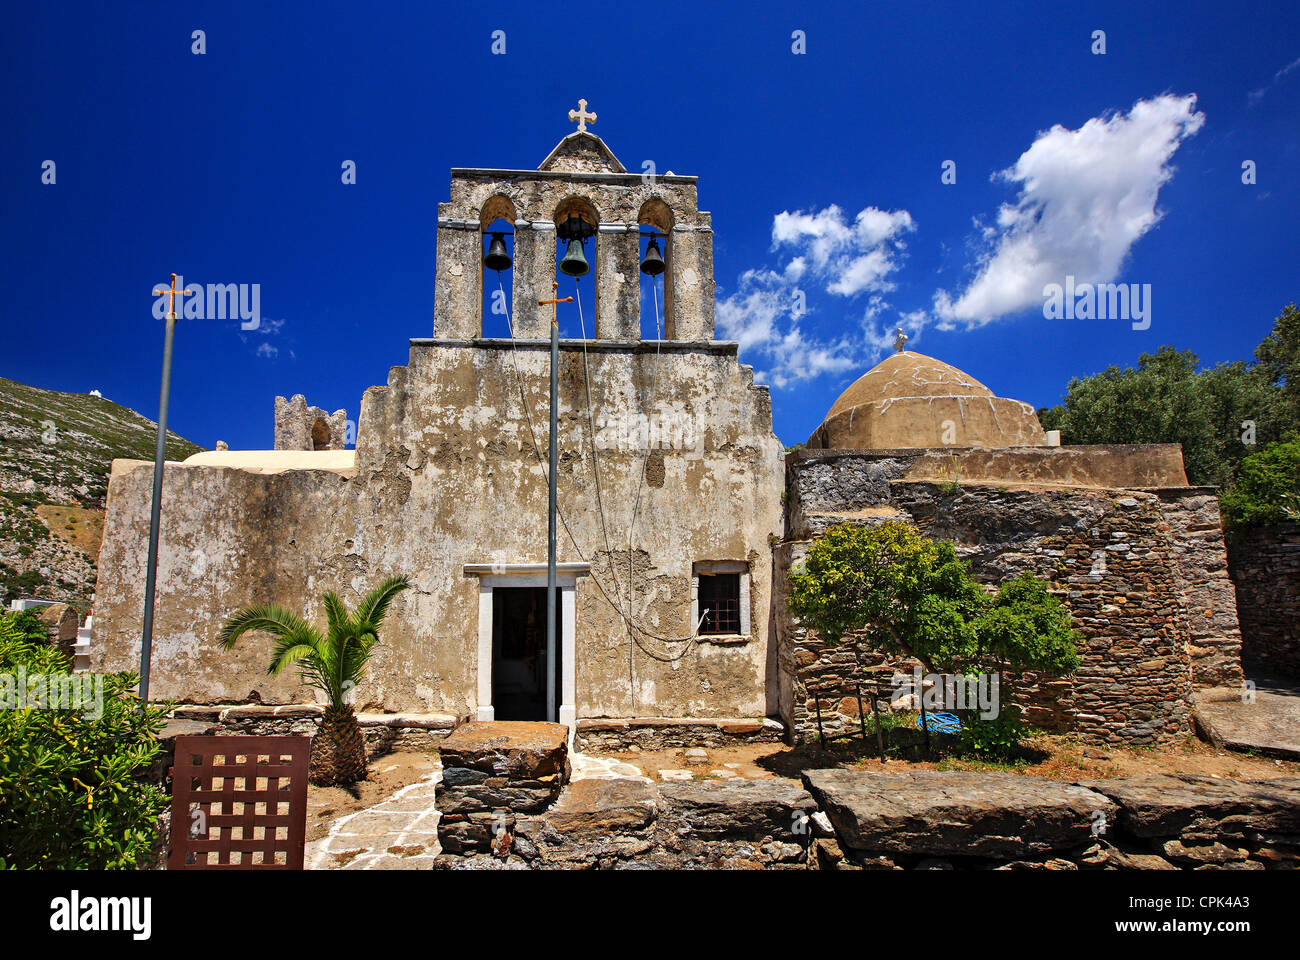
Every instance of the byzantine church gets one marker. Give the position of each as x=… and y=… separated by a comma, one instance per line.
x=680, y=513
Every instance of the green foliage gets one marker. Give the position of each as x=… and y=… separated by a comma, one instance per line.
x=952, y=486
x=26, y=625
x=906, y=594
x=1166, y=400
x=897, y=591
x=1279, y=360
x=73, y=791
x=1267, y=487
x=997, y=739
x=332, y=662
x=1029, y=628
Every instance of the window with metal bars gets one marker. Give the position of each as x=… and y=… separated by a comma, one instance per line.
x=719, y=602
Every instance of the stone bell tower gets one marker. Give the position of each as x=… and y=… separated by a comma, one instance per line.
x=580, y=177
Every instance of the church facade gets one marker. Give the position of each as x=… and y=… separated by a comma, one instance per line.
x=680, y=513
x=669, y=486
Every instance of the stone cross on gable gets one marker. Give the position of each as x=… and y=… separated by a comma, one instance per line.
x=582, y=116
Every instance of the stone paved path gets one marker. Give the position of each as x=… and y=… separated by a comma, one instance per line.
x=585, y=767
x=398, y=833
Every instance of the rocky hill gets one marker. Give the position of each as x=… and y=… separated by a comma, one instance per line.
x=56, y=450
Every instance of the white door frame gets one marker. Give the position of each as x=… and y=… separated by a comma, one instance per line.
x=493, y=575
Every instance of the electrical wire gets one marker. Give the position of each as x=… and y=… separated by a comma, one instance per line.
x=633, y=627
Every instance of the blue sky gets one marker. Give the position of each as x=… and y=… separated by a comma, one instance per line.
x=225, y=167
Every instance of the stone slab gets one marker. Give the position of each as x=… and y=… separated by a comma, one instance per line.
x=1270, y=725
x=603, y=806
x=713, y=809
x=415, y=721
x=1172, y=805
x=516, y=749
x=956, y=813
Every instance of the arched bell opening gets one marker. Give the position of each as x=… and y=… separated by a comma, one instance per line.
x=497, y=220
x=577, y=233
x=656, y=227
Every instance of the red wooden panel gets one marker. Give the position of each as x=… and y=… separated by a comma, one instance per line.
x=239, y=803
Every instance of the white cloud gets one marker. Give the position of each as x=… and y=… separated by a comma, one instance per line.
x=768, y=314
x=850, y=258
x=1257, y=95
x=267, y=350
x=766, y=317
x=1086, y=196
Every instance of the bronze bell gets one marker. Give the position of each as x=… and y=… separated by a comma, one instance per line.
x=574, y=263
x=497, y=258
x=652, y=264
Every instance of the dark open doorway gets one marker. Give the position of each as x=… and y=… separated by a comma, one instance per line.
x=519, y=653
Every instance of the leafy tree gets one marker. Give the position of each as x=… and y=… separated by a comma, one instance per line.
x=1279, y=360
x=1267, y=487
x=331, y=662
x=75, y=786
x=1165, y=400
x=895, y=590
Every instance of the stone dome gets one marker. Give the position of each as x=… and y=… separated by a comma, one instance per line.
x=909, y=400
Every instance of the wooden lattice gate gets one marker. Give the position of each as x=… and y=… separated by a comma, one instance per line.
x=239, y=803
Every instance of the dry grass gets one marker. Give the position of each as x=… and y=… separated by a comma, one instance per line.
x=81, y=527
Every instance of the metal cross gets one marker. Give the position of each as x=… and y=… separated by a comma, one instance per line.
x=555, y=320
x=172, y=294
x=582, y=116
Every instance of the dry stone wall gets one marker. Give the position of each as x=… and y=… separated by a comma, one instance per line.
x=1265, y=565
x=849, y=819
x=1142, y=572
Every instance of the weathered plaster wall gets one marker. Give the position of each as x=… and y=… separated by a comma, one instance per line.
x=1265, y=565
x=447, y=475
x=1140, y=571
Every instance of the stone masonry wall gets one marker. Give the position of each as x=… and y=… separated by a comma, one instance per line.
x=1265, y=565
x=1141, y=572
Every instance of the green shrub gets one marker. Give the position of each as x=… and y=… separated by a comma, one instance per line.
x=1266, y=488
x=72, y=784
x=998, y=738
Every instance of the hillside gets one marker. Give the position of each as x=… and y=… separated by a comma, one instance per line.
x=56, y=450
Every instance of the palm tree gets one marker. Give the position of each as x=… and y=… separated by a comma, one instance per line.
x=331, y=662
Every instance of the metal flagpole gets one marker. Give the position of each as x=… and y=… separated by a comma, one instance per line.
x=155, y=512
x=551, y=651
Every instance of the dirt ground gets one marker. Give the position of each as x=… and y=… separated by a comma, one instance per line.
x=1064, y=760
x=388, y=774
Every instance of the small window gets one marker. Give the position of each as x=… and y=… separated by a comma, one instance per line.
x=719, y=603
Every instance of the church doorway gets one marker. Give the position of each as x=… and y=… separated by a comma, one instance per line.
x=519, y=663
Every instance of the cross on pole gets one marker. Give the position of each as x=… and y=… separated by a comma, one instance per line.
x=555, y=322
x=582, y=116
x=171, y=295
x=155, y=507
x=551, y=713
